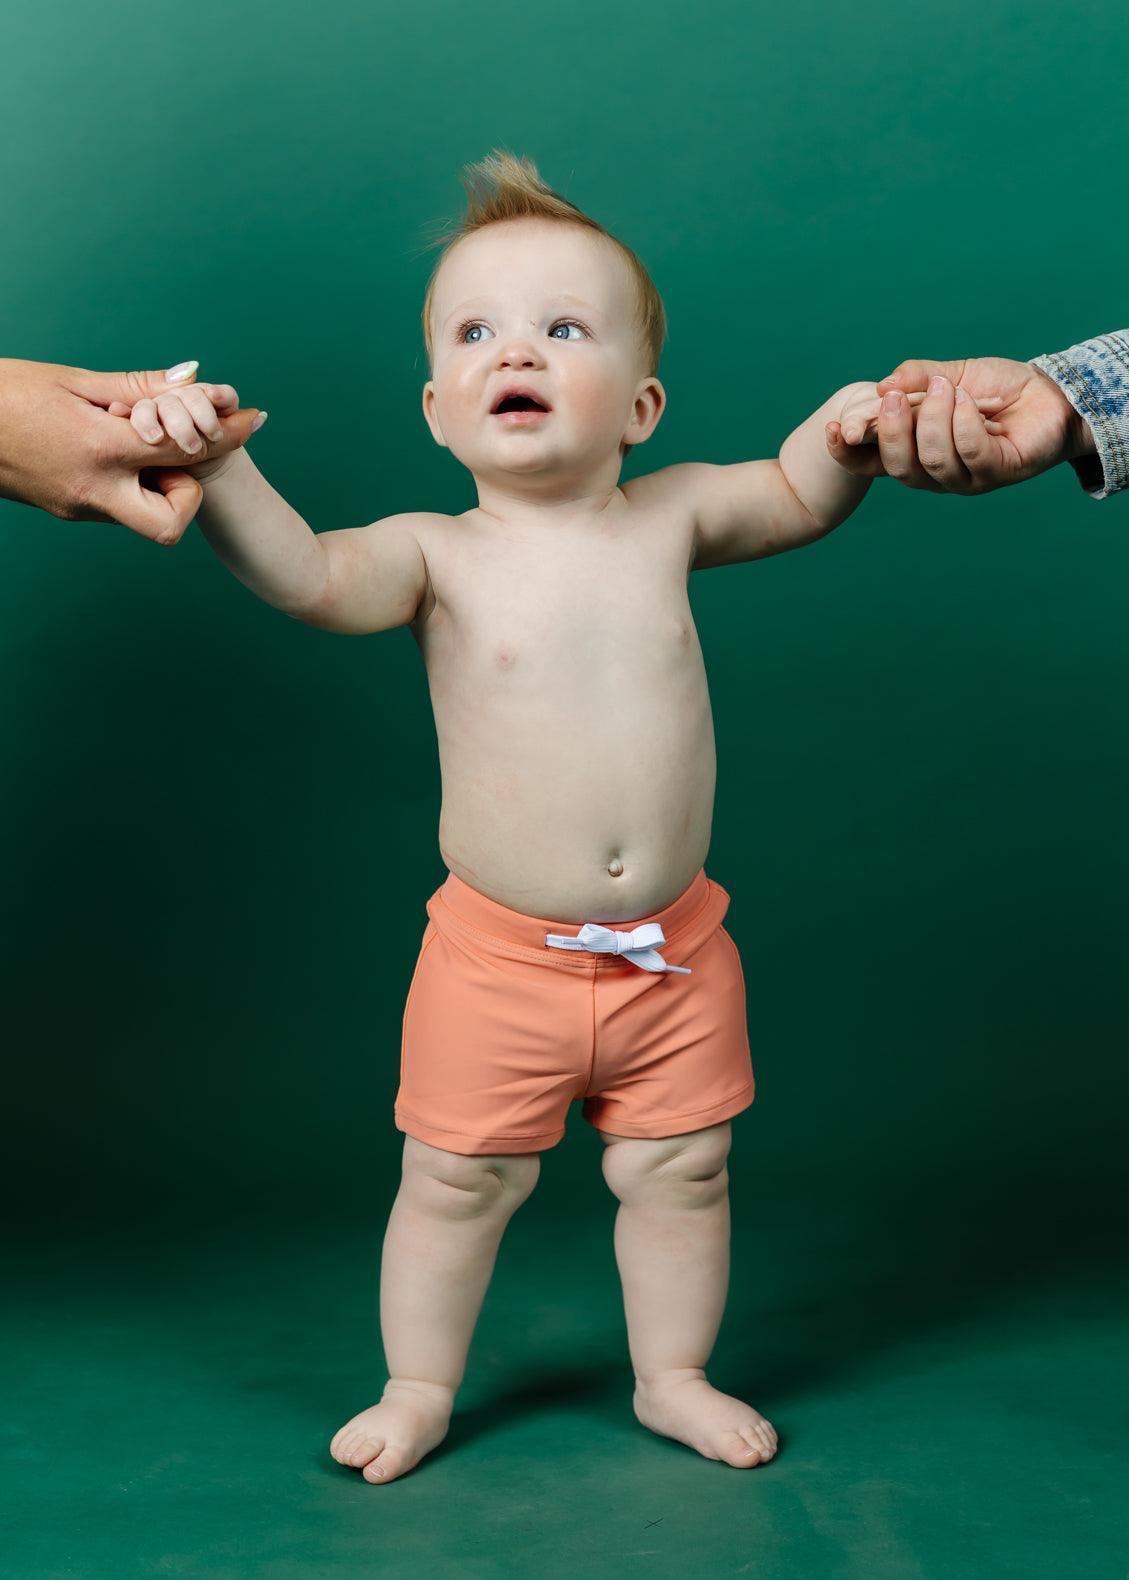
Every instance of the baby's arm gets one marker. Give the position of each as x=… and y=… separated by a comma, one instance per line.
x=356, y=580
x=757, y=508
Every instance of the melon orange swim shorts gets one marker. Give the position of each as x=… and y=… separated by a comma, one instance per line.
x=502, y=1030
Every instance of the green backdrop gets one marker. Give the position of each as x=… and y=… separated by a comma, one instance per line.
x=220, y=825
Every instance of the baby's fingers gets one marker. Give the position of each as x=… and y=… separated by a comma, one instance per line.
x=181, y=416
x=201, y=410
x=185, y=416
x=143, y=418
x=174, y=415
x=222, y=396
x=860, y=460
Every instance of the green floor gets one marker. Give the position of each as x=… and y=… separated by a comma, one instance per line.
x=948, y=1382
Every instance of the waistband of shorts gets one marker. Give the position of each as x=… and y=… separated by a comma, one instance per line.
x=686, y=922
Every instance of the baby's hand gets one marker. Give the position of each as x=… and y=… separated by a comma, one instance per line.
x=184, y=417
x=858, y=420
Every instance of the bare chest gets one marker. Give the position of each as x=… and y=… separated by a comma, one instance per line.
x=572, y=612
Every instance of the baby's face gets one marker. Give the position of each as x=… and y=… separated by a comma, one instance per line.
x=549, y=307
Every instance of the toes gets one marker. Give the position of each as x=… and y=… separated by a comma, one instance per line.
x=344, y=1441
x=751, y=1445
x=388, y=1464
x=359, y=1451
x=741, y=1447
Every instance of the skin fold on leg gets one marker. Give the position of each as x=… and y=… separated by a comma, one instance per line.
x=672, y=1250
x=440, y=1247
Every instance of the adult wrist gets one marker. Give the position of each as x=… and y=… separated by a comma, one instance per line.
x=1081, y=442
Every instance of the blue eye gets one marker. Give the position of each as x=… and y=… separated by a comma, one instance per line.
x=474, y=323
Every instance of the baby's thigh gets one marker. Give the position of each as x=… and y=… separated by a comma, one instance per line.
x=448, y=1179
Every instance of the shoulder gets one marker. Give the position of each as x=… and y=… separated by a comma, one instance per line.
x=673, y=493
x=670, y=492
x=670, y=485
x=430, y=529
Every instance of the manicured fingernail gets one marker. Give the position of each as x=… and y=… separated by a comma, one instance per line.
x=962, y=394
x=891, y=401
x=183, y=370
x=259, y=421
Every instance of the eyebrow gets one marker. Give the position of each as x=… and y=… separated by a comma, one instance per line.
x=557, y=296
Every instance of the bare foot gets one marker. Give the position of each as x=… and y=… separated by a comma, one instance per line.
x=390, y=1437
x=685, y=1406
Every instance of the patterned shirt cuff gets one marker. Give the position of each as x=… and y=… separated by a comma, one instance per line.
x=1094, y=377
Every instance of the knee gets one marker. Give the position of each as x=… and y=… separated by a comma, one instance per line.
x=689, y=1169
x=456, y=1185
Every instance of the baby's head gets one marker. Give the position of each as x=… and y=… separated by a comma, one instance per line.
x=530, y=291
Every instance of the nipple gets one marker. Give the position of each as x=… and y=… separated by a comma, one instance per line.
x=615, y=866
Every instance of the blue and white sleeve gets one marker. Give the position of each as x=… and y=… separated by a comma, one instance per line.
x=1094, y=377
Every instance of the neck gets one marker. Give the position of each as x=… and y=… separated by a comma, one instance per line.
x=545, y=503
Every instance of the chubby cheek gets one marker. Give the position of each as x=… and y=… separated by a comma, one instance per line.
x=594, y=397
x=458, y=403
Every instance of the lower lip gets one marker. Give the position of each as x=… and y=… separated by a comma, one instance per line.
x=521, y=419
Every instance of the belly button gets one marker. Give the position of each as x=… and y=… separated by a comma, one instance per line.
x=615, y=867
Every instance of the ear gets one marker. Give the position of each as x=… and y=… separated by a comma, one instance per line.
x=431, y=416
x=650, y=400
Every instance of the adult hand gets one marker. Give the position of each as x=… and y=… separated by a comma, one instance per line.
x=62, y=451
x=947, y=446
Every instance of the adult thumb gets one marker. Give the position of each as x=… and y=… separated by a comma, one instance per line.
x=101, y=389
x=915, y=375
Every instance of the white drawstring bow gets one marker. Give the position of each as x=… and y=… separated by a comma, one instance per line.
x=635, y=946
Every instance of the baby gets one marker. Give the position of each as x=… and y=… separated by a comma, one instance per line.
x=576, y=947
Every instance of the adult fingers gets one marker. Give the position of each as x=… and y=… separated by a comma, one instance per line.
x=102, y=388
x=983, y=455
x=936, y=450
x=161, y=512
x=897, y=444
x=915, y=374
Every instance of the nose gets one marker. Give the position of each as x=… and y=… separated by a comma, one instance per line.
x=519, y=350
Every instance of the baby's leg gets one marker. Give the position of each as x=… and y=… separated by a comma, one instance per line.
x=439, y=1251
x=672, y=1247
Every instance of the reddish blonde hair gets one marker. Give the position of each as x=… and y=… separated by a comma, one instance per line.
x=505, y=186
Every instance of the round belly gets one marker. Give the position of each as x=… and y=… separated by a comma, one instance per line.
x=571, y=799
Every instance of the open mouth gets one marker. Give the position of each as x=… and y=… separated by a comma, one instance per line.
x=515, y=405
